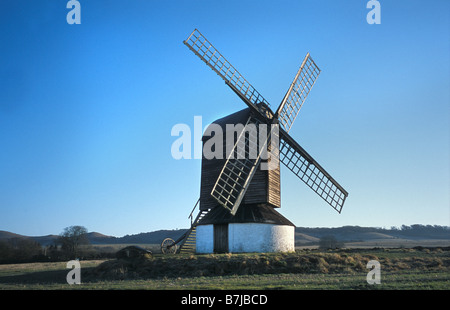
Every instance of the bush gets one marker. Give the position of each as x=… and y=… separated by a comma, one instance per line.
x=19, y=250
x=330, y=242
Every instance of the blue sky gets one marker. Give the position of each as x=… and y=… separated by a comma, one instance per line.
x=86, y=111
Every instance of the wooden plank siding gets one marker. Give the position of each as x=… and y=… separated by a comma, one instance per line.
x=264, y=187
x=220, y=238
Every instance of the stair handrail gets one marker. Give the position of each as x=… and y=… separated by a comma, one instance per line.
x=192, y=212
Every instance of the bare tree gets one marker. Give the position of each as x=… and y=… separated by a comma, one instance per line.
x=71, y=240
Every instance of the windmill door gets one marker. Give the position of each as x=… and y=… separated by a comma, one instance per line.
x=220, y=238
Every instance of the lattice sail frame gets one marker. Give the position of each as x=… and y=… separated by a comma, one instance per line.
x=294, y=157
x=197, y=43
x=295, y=97
x=241, y=164
x=236, y=174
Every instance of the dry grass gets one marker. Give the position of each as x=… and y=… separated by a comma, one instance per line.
x=345, y=269
x=300, y=262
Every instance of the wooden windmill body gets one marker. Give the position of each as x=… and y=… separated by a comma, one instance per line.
x=265, y=185
x=238, y=198
x=256, y=226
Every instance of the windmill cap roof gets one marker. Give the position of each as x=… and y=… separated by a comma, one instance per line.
x=239, y=117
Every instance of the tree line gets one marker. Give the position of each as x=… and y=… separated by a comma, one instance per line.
x=72, y=243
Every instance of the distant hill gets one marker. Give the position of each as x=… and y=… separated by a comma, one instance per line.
x=349, y=233
x=44, y=240
x=304, y=236
x=94, y=238
x=414, y=235
x=8, y=235
x=154, y=237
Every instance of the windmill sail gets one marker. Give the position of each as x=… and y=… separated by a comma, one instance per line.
x=237, y=173
x=240, y=167
x=297, y=93
x=212, y=57
x=293, y=156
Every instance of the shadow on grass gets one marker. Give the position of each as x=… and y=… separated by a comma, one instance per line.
x=42, y=277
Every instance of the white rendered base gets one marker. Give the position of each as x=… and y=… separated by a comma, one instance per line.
x=248, y=237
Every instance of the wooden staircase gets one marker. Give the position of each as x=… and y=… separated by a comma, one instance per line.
x=188, y=245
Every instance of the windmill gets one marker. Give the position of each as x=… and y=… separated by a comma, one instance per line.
x=238, y=198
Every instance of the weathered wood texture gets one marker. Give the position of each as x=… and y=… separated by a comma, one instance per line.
x=264, y=187
x=220, y=238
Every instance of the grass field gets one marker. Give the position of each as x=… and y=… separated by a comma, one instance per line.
x=344, y=269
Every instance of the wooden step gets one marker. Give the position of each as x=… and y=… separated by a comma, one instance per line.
x=189, y=244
